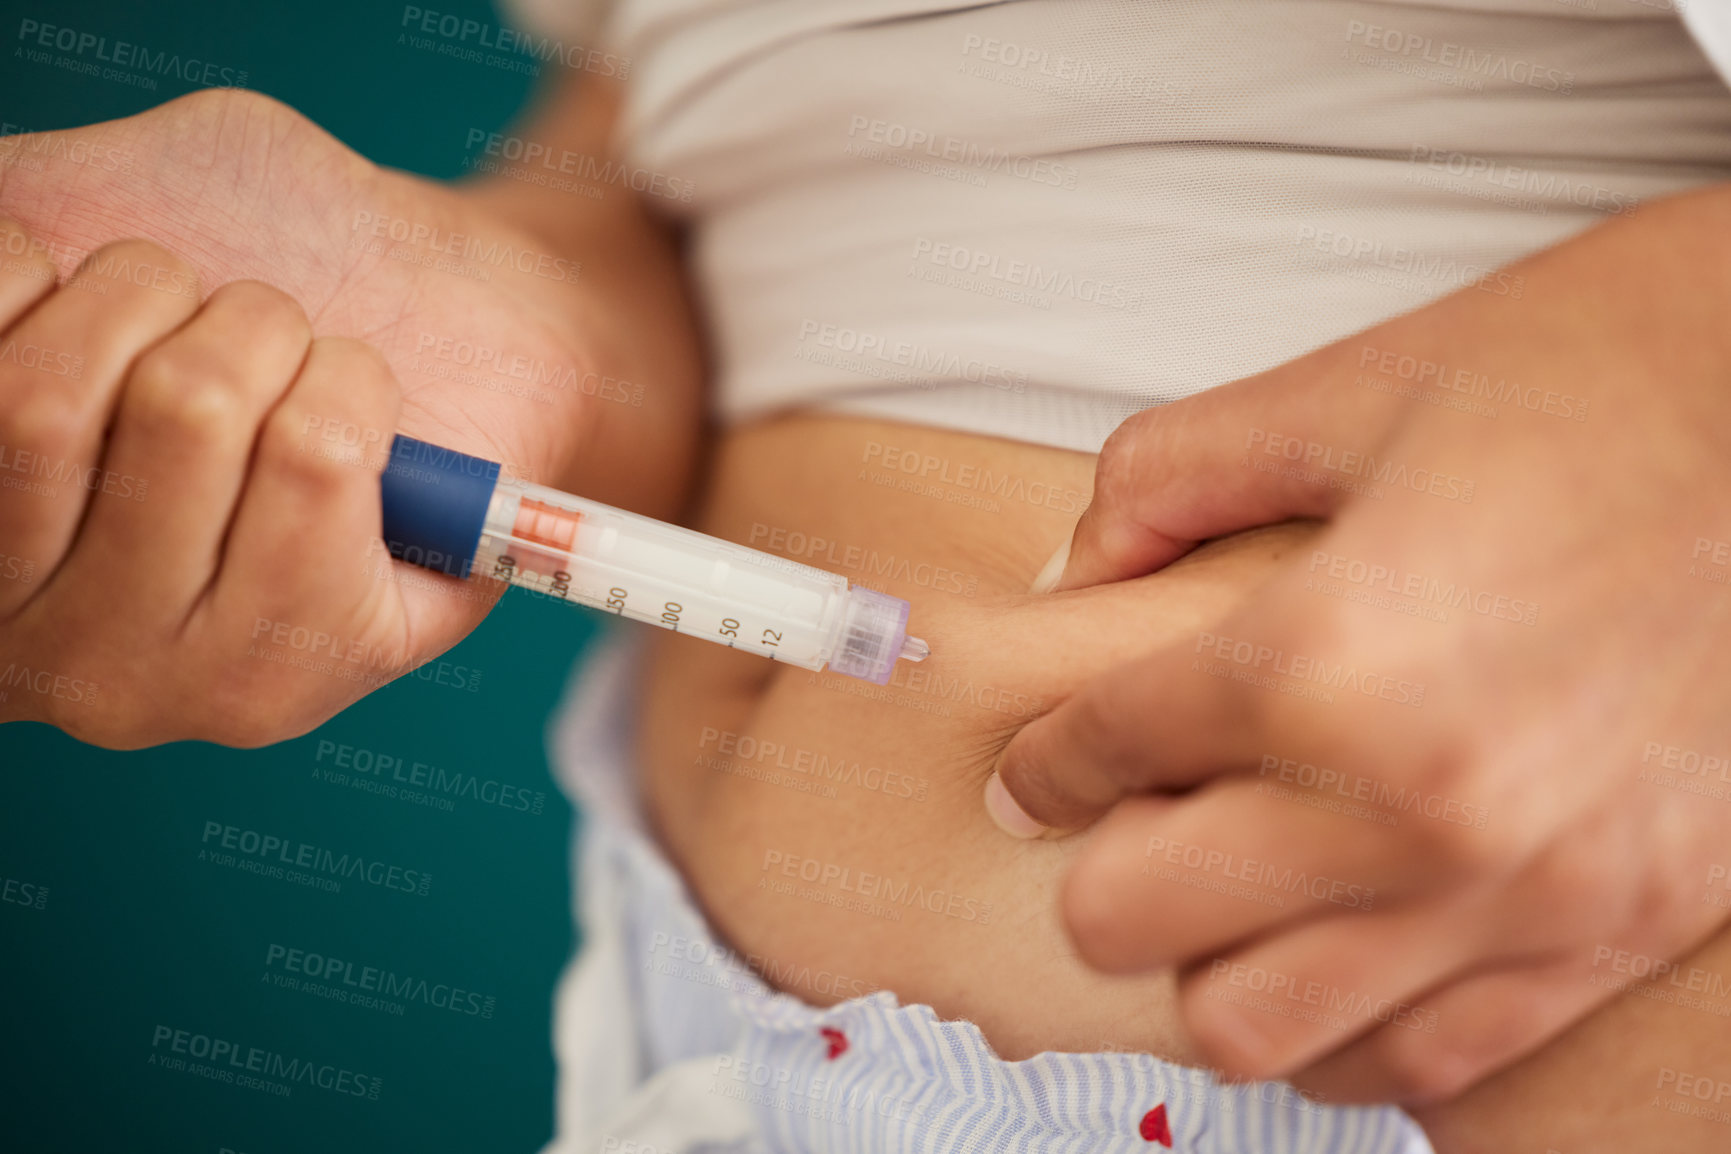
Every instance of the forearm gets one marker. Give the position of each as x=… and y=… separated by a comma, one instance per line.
x=636, y=308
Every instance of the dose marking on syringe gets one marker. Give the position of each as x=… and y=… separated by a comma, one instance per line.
x=538, y=523
x=543, y=542
x=537, y=530
x=546, y=524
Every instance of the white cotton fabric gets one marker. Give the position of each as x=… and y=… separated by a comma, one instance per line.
x=1032, y=219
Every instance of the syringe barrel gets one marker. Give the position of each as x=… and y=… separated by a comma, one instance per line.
x=460, y=514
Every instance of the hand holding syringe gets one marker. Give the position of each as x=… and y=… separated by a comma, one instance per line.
x=460, y=515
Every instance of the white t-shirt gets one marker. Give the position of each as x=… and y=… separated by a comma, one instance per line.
x=1031, y=219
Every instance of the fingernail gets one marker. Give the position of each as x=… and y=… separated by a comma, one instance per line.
x=1006, y=814
x=1053, y=570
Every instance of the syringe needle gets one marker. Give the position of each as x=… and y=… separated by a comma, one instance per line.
x=913, y=649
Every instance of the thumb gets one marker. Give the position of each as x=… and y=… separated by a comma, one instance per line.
x=1164, y=722
x=1291, y=442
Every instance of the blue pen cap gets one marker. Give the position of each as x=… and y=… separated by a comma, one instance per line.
x=435, y=503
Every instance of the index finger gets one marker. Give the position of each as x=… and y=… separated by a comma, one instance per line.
x=1220, y=461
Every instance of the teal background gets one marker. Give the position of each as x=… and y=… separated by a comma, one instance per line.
x=136, y=931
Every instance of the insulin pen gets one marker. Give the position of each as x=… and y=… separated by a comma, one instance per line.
x=459, y=515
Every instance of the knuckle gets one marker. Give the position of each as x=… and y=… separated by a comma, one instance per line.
x=248, y=728
x=48, y=422
x=1582, y=891
x=264, y=310
x=347, y=390
x=360, y=363
x=1092, y=922
x=1118, y=469
x=1460, y=851
x=118, y=726
x=1477, y=1034
x=1669, y=896
x=1456, y=777
x=1446, y=773
x=124, y=736
x=1024, y=772
x=292, y=454
x=1120, y=754
x=139, y=262
x=245, y=712
x=1428, y=1069
x=1136, y=453
x=1094, y=918
x=1252, y=713
x=22, y=255
x=1458, y=759
x=185, y=397
x=218, y=104
x=244, y=726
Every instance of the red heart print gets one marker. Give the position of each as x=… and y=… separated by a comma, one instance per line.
x=1154, y=1127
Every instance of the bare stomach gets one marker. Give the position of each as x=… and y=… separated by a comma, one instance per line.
x=831, y=828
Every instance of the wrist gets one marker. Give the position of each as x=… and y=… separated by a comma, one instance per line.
x=527, y=208
x=543, y=191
